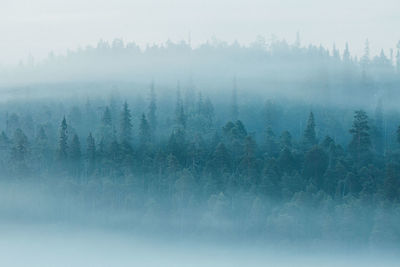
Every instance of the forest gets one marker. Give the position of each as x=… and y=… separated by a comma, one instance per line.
x=153, y=152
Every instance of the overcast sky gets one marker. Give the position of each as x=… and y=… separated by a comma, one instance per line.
x=38, y=26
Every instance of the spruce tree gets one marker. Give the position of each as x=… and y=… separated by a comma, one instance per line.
x=309, y=137
x=126, y=125
x=180, y=116
x=62, y=151
x=361, y=142
x=144, y=131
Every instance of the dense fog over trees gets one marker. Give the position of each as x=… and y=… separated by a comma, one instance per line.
x=199, y=133
x=267, y=66
x=266, y=152
x=299, y=144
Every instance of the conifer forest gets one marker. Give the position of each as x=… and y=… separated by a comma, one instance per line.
x=168, y=133
x=239, y=163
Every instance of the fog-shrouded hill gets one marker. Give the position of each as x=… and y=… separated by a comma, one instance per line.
x=264, y=68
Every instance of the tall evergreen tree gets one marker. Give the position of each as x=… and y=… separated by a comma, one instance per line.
x=62, y=151
x=126, y=125
x=180, y=116
x=309, y=136
x=361, y=141
x=144, y=132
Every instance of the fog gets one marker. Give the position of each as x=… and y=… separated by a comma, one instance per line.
x=199, y=133
x=63, y=246
x=43, y=26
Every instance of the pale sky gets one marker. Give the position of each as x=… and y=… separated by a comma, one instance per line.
x=38, y=26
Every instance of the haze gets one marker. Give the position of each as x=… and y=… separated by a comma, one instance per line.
x=38, y=27
x=199, y=133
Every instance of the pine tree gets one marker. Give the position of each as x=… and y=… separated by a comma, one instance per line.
x=144, y=132
x=180, y=116
x=361, y=142
x=309, y=136
x=126, y=125
x=107, y=118
x=62, y=152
